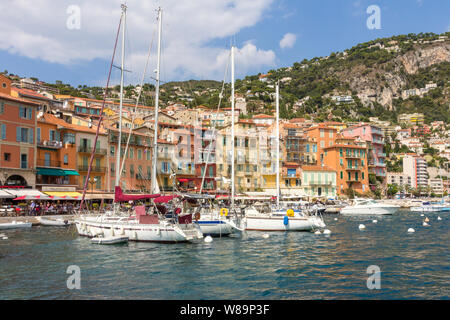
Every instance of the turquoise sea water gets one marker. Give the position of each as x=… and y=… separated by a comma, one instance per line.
x=33, y=264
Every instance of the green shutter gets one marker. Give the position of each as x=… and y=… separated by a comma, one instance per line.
x=18, y=134
x=3, y=136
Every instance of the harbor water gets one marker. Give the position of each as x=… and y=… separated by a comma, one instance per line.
x=295, y=265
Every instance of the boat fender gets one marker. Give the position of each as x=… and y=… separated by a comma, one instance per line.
x=286, y=220
x=158, y=231
x=224, y=212
x=112, y=232
x=122, y=231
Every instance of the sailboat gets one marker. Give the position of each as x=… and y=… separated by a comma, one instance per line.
x=214, y=221
x=163, y=224
x=279, y=218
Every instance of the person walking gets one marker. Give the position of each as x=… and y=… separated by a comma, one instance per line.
x=32, y=208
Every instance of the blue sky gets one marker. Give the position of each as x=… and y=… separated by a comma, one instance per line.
x=257, y=27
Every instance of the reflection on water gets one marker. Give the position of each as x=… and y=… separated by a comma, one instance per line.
x=33, y=264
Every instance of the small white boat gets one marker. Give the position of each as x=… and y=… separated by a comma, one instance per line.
x=15, y=225
x=54, y=223
x=369, y=207
x=429, y=207
x=216, y=225
x=109, y=240
x=278, y=220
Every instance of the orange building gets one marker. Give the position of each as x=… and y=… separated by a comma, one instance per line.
x=324, y=136
x=57, y=156
x=137, y=171
x=349, y=158
x=17, y=138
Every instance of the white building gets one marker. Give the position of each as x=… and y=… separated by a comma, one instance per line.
x=416, y=167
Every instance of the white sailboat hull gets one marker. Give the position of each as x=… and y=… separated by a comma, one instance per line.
x=215, y=228
x=165, y=233
x=277, y=223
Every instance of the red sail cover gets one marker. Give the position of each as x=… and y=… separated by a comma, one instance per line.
x=120, y=197
x=164, y=199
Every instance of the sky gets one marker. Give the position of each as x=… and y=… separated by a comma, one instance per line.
x=72, y=40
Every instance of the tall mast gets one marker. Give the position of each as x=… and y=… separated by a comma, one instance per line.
x=232, y=127
x=278, y=142
x=119, y=143
x=155, y=139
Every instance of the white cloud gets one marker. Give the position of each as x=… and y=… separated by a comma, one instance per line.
x=37, y=29
x=288, y=41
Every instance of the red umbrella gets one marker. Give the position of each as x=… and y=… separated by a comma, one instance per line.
x=20, y=198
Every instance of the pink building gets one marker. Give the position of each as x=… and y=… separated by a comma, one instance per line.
x=375, y=138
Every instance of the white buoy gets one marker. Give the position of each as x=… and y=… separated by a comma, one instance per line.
x=208, y=239
x=361, y=226
x=439, y=218
x=422, y=215
x=265, y=235
x=326, y=231
x=411, y=230
x=425, y=224
x=318, y=232
x=375, y=221
x=335, y=219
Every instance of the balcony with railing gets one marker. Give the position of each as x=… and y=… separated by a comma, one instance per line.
x=267, y=171
x=320, y=183
x=99, y=151
x=353, y=156
x=50, y=144
x=94, y=169
x=48, y=163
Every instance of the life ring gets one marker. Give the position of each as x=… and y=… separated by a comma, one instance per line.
x=224, y=212
x=290, y=213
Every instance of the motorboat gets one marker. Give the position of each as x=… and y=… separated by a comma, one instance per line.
x=216, y=224
x=109, y=240
x=431, y=207
x=369, y=207
x=15, y=225
x=280, y=220
x=54, y=222
x=211, y=220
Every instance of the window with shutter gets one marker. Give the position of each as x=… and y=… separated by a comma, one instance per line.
x=3, y=133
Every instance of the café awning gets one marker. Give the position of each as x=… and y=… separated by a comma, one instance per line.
x=99, y=196
x=27, y=194
x=64, y=195
x=5, y=195
x=71, y=172
x=50, y=172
